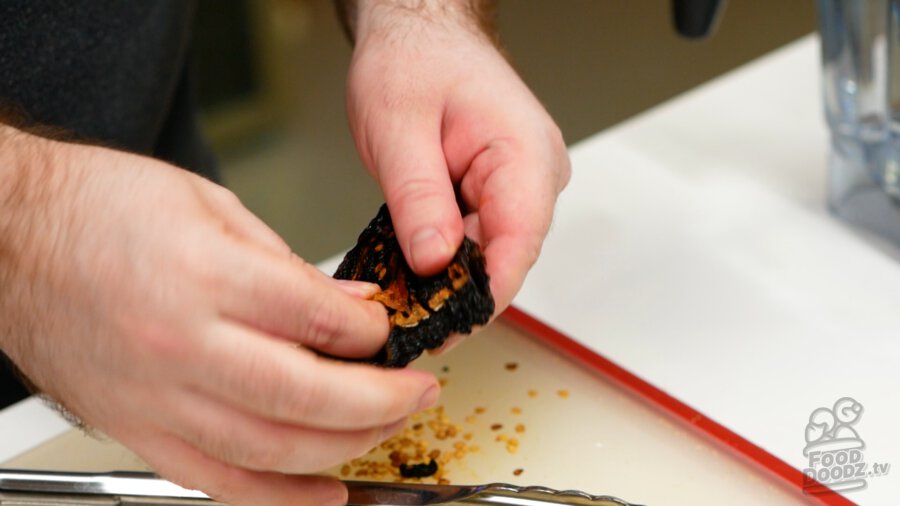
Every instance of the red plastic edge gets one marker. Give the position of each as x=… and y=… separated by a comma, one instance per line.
x=678, y=410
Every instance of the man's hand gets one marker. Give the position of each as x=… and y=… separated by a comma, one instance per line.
x=434, y=107
x=157, y=309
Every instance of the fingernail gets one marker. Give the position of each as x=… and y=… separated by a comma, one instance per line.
x=392, y=430
x=429, y=398
x=359, y=289
x=427, y=245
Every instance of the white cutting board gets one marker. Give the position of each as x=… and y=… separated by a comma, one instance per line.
x=693, y=247
x=598, y=439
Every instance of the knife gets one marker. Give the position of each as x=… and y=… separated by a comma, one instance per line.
x=53, y=488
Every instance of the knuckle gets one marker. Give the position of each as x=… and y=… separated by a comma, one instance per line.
x=183, y=477
x=565, y=172
x=324, y=326
x=412, y=191
x=225, y=196
x=228, y=487
x=397, y=404
x=364, y=444
x=378, y=323
x=194, y=264
x=352, y=447
x=280, y=394
x=388, y=402
x=210, y=442
x=346, y=447
x=267, y=456
x=226, y=484
x=562, y=164
x=259, y=451
x=307, y=404
x=230, y=197
x=532, y=250
x=162, y=343
x=556, y=136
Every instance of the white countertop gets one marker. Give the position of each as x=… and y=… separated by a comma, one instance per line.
x=693, y=248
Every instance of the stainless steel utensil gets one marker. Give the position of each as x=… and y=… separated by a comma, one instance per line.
x=46, y=488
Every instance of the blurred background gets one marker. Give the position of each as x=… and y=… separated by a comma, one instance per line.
x=270, y=78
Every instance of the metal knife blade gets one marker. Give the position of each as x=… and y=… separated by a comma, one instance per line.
x=126, y=486
x=415, y=494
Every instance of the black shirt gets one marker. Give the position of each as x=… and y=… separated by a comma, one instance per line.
x=112, y=72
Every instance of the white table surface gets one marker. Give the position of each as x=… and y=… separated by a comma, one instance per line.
x=693, y=248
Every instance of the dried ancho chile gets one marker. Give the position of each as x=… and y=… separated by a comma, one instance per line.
x=422, y=311
x=418, y=470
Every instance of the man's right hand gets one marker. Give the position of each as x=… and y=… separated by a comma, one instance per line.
x=153, y=306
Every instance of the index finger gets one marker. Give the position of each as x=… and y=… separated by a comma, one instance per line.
x=267, y=377
x=289, y=298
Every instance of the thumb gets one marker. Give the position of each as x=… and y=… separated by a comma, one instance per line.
x=413, y=174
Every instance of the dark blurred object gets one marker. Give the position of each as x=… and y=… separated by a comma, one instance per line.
x=696, y=19
x=223, y=53
x=237, y=64
x=11, y=388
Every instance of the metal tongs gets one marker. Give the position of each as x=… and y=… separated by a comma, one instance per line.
x=50, y=488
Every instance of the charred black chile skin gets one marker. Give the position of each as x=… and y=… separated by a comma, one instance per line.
x=418, y=470
x=377, y=258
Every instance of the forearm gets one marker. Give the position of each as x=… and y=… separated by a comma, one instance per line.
x=26, y=179
x=359, y=17
x=27, y=154
x=20, y=165
x=29, y=180
x=15, y=191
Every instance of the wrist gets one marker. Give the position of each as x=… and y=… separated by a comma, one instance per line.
x=368, y=18
x=27, y=185
x=13, y=180
x=14, y=186
x=22, y=164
